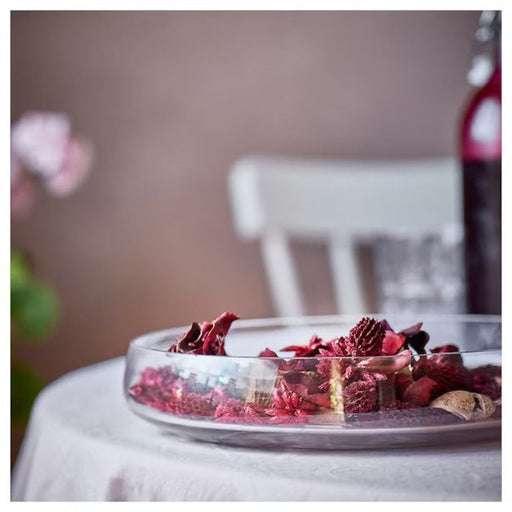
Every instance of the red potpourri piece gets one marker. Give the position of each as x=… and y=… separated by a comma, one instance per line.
x=267, y=353
x=365, y=339
x=288, y=403
x=420, y=392
x=311, y=349
x=207, y=338
x=392, y=342
x=360, y=396
x=486, y=380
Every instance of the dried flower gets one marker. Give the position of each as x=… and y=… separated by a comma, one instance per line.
x=268, y=353
x=365, y=339
x=392, y=342
x=335, y=348
x=412, y=337
x=206, y=338
x=311, y=349
x=360, y=396
x=214, y=337
x=288, y=403
x=465, y=405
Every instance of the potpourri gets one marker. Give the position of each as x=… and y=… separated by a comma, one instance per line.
x=373, y=376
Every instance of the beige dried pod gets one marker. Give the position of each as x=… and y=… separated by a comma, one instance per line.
x=465, y=405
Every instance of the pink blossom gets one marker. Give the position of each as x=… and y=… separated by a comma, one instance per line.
x=39, y=140
x=23, y=191
x=75, y=167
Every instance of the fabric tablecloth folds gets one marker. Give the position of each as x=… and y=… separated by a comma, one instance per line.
x=83, y=443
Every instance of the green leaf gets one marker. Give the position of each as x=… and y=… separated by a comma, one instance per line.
x=34, y=311
x=21, y=274
x=25, y=386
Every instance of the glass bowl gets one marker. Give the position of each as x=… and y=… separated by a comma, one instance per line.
x=323, y=402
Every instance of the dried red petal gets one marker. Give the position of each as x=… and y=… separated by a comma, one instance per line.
x=392, y=343
x=420, y=392
x=413, y=330
x=205, y=338
x=365, y=338
x=309, y=350
x=213, y=343
x=190, y=342
x=413, y=336
x=268, y=353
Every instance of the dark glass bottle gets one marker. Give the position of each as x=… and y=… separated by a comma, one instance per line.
x=481, y=164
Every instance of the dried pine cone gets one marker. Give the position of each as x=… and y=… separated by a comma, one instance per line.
x=360, y=396
x=365, y=339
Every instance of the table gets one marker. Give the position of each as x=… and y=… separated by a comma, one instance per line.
x=83, y=443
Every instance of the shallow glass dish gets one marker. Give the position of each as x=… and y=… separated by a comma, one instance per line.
x=321, y=402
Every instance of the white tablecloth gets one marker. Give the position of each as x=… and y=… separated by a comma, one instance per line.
x=83, y=443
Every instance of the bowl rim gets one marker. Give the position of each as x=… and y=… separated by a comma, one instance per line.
x=140, y=341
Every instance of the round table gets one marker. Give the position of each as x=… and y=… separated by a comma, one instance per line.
x=83, y=443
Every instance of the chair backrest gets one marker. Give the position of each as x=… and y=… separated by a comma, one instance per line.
x=337, y=201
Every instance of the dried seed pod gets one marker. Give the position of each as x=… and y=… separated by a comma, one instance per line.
x=465, y=405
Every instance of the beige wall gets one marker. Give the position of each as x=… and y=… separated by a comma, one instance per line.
x=170, y=101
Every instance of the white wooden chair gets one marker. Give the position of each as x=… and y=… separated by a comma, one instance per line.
x=339, y=202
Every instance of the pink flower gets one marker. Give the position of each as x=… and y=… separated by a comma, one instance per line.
x=23, y=191
x=41, y=146
x=74, y=168
x=39, y=140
